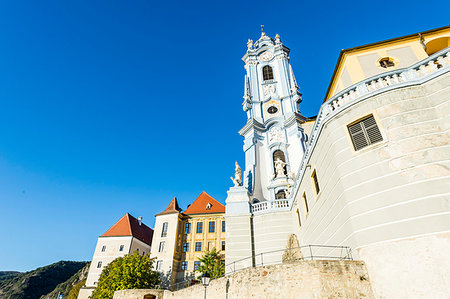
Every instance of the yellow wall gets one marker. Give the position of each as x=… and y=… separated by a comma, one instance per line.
x=360, y=63
x=212, y=239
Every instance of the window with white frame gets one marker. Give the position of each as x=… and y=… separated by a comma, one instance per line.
x=161, y=246
x=164, y=229
x=159, y=265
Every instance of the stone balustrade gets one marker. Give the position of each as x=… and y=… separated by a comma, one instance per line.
x=271, y=205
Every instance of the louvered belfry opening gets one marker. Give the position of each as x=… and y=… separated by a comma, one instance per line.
x=364, y=133
x=267, y=73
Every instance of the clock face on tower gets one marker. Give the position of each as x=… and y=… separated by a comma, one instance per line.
x=265, y=56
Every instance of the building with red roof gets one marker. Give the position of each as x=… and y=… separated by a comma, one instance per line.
x=126, y=236
x=181, y=237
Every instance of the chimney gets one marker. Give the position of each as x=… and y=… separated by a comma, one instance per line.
x=140, y=220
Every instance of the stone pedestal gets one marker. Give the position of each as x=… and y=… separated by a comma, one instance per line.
x=239, y=231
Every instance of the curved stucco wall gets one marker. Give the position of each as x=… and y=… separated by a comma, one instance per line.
x=392, y=192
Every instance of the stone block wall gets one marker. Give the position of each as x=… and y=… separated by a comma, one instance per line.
x=306, y=279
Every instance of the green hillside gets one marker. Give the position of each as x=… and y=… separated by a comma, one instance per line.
x=39, y=282
x=65, y=287
x=6, y=275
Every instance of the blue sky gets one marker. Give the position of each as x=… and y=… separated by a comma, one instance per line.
x=110, y=107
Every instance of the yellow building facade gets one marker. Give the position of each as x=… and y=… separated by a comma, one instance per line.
x=359, y=63
x=181, y=238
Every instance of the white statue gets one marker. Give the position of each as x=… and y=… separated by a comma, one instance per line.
x=279, y=168
x=277, y=39
x=250, y=44
x=237, y=180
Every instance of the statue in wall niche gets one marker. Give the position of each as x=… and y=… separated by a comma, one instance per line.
x=237, y=180
x=279, y=168
x=292, y=253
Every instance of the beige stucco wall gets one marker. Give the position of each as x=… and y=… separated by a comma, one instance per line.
x=271, y=232
x=391, y=199
x=172, y=240
x=308, y=279
x=112, y=251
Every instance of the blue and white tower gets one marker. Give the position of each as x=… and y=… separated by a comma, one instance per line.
x=258, y=209
x=274, y=140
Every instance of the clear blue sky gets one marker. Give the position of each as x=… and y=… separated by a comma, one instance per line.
x=110, y=107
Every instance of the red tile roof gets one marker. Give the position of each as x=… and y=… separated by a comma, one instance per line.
x=199, y=206
x=129, y=226
x=171, y=208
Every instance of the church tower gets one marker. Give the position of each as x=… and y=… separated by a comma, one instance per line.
x=274, y=140
x=257, y=211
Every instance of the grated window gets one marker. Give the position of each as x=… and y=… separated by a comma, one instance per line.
x=267, y=73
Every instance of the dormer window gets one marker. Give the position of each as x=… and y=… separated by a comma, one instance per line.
x=208, y=206
x=267, y=73
x=386, y=62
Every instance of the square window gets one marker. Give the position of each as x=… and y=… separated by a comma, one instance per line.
x=99, y=264
x=184, y=265
x=364, y=133
x=198, y=246
x=196, y=265
x=186, y=247
x=187, y=228
x=199, y=227
x=121, y=247
x=103, y=248
x=223, y=226
x=212, y=226
x=161, y=246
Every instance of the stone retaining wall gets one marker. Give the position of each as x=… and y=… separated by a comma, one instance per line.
x=306, y=279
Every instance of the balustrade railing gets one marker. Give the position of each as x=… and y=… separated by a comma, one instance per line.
x=423, y=70
x=270, y=205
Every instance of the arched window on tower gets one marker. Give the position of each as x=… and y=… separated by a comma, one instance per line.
x=267, y=73
x=279, y=155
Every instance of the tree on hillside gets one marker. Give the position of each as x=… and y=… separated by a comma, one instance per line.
x=212, y=262
x=132, y=271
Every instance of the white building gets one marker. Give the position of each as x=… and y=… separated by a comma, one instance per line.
x=371, y=171
x=126, y=236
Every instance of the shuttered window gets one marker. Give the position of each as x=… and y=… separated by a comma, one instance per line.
x=365, y=133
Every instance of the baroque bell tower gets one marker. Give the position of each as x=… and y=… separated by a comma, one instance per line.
x=274, y=144
x=274, y=140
